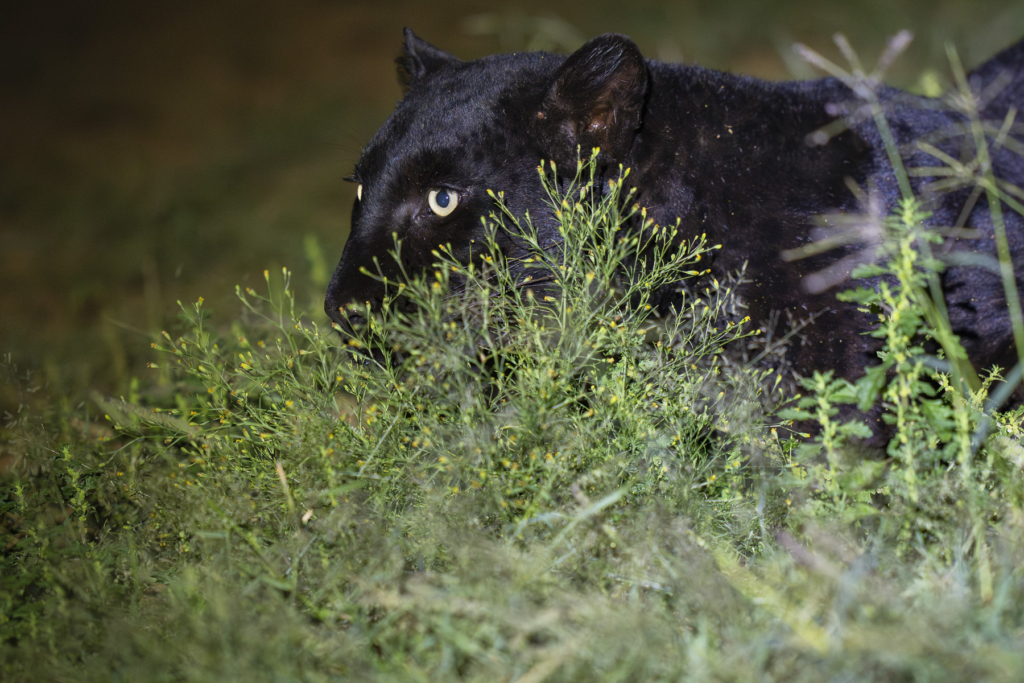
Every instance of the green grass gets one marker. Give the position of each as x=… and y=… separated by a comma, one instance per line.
x=539, y=482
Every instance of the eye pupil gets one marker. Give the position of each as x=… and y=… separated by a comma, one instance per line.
x=442, y=199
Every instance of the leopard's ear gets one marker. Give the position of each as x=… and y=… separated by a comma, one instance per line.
x=420, y=58
x=597, y=97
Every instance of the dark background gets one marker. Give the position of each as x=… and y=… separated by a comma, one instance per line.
x=151, y=152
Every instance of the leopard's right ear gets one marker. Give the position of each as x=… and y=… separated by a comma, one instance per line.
x=597, y=99
x=419, y=59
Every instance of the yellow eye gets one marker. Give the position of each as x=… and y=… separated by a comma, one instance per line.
x=359, y=192
x=443, y=202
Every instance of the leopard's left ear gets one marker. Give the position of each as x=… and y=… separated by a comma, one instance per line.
x=419, y=59
x=597, y=98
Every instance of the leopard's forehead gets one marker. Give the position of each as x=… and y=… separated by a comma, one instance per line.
x=459, y=107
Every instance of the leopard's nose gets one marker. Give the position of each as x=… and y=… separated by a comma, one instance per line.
x=338, y=315
x=349, y=318
x=355, y=321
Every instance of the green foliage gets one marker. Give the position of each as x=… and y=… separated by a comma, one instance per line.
x=516, y=471
x=947, y=487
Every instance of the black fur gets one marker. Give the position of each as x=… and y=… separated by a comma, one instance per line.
x=728, y=155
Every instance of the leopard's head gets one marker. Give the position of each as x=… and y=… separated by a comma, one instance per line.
x=463, y=129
